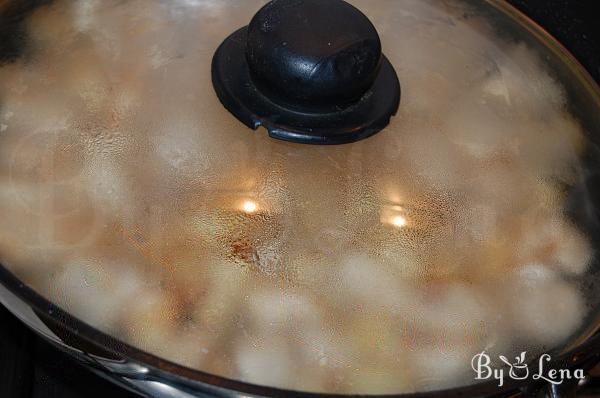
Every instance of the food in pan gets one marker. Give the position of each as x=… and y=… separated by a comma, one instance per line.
x=133, y=200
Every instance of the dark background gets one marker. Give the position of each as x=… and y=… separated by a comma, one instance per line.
x=575, y=23
x=30, y=367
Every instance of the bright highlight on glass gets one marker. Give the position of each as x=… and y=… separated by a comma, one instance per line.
x=394, y=216
x=250, y=207
x=399, y=221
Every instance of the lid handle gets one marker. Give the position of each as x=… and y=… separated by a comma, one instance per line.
x=309, y=71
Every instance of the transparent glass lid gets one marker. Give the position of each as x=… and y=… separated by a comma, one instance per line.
x=131, y=198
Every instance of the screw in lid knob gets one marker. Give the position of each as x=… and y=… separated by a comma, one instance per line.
x=309, y=71
x=313, y=52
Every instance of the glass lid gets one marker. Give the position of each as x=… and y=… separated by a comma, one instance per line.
x=135, y=200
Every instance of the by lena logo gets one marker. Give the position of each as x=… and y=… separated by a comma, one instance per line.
x=519, y=370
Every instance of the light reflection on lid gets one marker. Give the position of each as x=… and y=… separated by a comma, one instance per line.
x=250, y=207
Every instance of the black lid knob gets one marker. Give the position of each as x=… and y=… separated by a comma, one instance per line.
x=313, y=51
x=309, y=71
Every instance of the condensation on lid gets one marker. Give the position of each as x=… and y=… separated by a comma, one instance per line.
x=134, y=200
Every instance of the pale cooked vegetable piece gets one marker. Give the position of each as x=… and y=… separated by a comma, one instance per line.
x=365, y=281
x=553, y=240
x=573, y=253
x=81, y=286
x=544, y=309
x=438, y=367
x=256, y=362
x=456, y=315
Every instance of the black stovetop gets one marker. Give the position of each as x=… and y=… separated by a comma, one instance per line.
x=30, y=367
